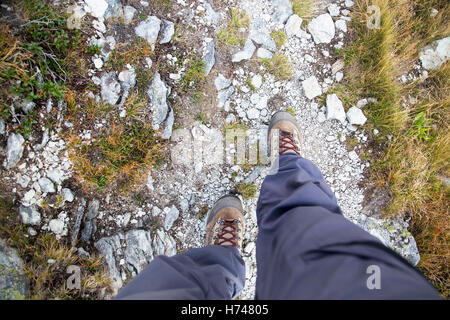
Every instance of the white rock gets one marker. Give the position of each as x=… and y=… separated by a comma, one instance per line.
x=257, y=81
x=339, y=76
x=333, y=9
x=361, y=103
x=322, y=28
x=349, y=3
x=356, y=116
x=129, y=12
x=264, y=53
x=167, y=31
x=172, y=214
x=14, y=150
x=98, y=63
x=55, y=175
x=67, y=194
x=435, y=54
x=149, y=29
x=30, y=215
x=335, y=109
x=46, y=185
x=96, y=8
x=253, y=113
x=221, y=82
x=337, y=66
x=311, y=87
x=341, y=25
x=57, y=227
x=246, y=52
x=293, y=25
x=353, y=155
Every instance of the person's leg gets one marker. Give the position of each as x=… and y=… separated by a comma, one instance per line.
x=211, y=272
x=306, y=249
x=216, y=271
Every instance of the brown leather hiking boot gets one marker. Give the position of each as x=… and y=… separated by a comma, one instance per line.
x=225, y=224
x=289, y=138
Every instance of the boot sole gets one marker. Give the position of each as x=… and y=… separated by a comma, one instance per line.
x=228, y=201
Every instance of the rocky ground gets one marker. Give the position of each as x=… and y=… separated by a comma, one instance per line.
x=169, y=215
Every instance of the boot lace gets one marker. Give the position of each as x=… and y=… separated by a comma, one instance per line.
x=228, y=233
x=287, y=142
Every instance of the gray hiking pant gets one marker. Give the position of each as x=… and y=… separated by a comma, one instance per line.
x=306, y=249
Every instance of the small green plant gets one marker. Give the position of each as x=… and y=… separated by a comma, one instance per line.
x=421, y=126
x=279, y=66
x=279, y=37
x=250, y=84
x=203, y=118
x=93, y=49
x=232, y=35
x=303, y=8
x=291, y=111
x=246, y=190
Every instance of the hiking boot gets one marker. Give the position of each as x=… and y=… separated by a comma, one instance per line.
x=289, y=139
x=225, y=224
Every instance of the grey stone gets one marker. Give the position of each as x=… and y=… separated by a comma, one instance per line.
x=108, y=247
x=97, y=8
x=24, y=180
x=209, y=58
x=67, y=195
x=55, y=175
x=167, y=31
x=138, y=251
x=184, y=205
x=260, y=34
x=45, y=138
x=2, y=127
x=341, y=25
x=253, y=113
x=78, y=220
x=127, y=79
x=435, y=54
x=257, y=81
x=167, y=133
x=333, y=9
x=393, y=234
x=26, y=105
x=282, y=11
x=46, y=185
x=221, y=82
x=114, y=9
x=13, y=283
x=211, y=16
x=322, y=28
x=92, y=210
x=57, y=226
x=164, y=244
x=356, y=116
x=264, y=53
x=246, y=52
x=311, y=87
x=158, y=93
x=89, y=228
x=172, y=214
x=293, y=25
x=110, y=88
x=14, y=150
x=335, y=109
x=30, y=215
x=128, y=14
x=149, y=29
x=224, y=95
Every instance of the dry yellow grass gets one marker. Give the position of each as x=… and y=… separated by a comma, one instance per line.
x=415, y=115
